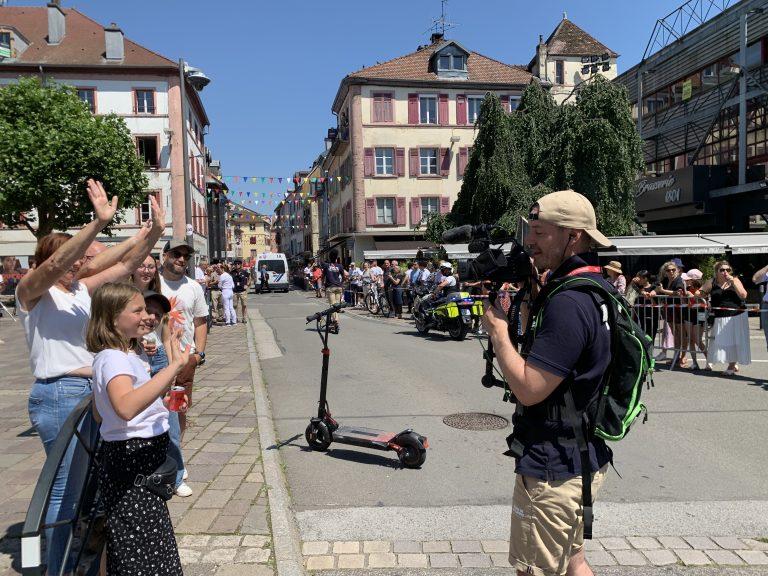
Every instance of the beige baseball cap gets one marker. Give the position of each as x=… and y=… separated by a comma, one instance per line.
x=569, y=209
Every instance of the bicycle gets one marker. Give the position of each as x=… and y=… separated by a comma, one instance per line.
x=376, y=301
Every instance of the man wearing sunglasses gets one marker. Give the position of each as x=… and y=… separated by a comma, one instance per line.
x=570, y=348
x=189, y=311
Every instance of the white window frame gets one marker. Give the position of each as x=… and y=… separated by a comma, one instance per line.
x=429, y=120
x=385, y=206
x=92, y=91
x=451, y=62
x=425, y=161
x=429, y=205
x=147, y=109
x=479, y=100
x=381, y=167
x=514, y=103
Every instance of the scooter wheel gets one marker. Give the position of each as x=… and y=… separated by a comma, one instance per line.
x=318, y=437
x=413, y=453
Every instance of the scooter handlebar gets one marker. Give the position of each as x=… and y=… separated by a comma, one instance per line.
x=327, y=311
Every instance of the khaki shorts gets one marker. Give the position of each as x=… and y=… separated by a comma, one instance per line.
x=547, y=526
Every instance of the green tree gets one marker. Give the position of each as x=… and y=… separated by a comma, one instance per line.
x=495, y=176
x=532, y=129
x=51, y=144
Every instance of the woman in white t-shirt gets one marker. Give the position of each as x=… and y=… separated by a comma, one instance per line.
x=134, y=430
x=54, y=306
x=227, y=286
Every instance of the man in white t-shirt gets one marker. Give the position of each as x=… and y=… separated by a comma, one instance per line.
x=188, y=311
x=377, y=274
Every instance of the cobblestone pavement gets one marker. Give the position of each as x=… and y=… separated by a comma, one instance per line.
x=639, y=551
x=223, y=528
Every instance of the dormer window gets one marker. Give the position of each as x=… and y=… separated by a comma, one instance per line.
x=452, y=62
x=6, y=46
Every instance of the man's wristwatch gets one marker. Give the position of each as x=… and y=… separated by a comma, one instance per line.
x=202, y=358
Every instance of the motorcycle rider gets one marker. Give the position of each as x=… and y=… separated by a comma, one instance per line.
x=445, y=286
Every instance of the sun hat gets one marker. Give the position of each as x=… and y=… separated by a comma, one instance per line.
x=615, y=266
x=569, y=209
x=692, y=274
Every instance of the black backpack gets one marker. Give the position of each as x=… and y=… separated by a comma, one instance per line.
x=631, y=366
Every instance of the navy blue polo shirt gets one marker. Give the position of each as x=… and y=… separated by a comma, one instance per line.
x=572, y=340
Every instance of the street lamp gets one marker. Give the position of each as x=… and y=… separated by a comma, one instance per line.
x=198, y=80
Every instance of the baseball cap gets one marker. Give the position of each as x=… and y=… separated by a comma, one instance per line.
x=174, y=243
x=164, y=302
x=569, y=209
x=692, y=274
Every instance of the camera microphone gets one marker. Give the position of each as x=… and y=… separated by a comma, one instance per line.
x=458, y=234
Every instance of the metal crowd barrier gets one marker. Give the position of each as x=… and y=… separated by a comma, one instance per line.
x=85, y=538
x=679, y=324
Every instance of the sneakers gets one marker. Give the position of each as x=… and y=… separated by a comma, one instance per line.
x=183, y=490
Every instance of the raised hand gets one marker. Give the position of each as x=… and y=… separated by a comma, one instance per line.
x=102, y=207
x=178, y=356
x=158, y=213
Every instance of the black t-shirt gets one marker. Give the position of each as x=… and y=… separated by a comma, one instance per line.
x=572, y=340
x=240, y=278
x=333, y=274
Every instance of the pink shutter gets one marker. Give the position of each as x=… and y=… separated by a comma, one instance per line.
x=388, y=109
x=461, y=109
x=442, y=110
x=463, y=158
x=400, y=162
x=413, y=108
x=445, y=204
x=415, y=211
x=376, y=108
x=414, y=163
x=368, y=162
x=400, y=218
x=445, y=161
x=350, y=217
x=370, y=211
x=505, y=103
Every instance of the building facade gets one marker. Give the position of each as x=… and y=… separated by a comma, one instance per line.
x=569, y=57
x=399, y=151
x=701, y=112
x=114, y=75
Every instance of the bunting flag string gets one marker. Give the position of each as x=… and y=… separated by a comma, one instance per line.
x=280, y=179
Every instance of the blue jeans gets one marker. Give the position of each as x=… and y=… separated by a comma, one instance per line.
x=764, y=319
x=156, y=363
x=50, y=403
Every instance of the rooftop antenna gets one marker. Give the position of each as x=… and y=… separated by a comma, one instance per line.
x=441, y=25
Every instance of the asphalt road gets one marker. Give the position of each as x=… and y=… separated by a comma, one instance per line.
x=702, y=449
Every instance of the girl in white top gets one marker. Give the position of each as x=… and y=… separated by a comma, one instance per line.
x=227, y=285
x=54, y=306
x=134, y=429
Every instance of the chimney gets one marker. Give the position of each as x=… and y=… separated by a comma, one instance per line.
x=436, y=37
x=113, y=40
x=57, y=24
x=541, y=57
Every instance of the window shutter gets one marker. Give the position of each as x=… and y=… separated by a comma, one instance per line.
x=414, y=163
x=370, y=211
x=400, y=162
x=413, y=108
x=368, y=162
x=505, y=102
x=442, y=110
x=463, y=158
x=388, y=108
x=415, y=211
x=461, y=109
x=445, y=204
x=445, y=161
x=400, y=217
x=376, y=108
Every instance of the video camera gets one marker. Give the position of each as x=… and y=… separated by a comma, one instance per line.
x=491, y=263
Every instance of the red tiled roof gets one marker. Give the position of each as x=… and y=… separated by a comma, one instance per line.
x=570, y=40
x=82, y=45
x=415, y=66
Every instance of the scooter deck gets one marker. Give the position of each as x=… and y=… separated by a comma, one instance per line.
x=366, y=437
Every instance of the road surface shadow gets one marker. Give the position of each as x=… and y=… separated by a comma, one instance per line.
x=364, y=458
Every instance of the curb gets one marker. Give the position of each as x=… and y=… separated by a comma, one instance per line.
x=285, y=534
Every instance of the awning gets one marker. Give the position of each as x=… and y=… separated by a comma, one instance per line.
x=745, y=243
x=402, y=253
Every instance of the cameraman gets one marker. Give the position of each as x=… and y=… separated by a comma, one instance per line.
x=571, y=347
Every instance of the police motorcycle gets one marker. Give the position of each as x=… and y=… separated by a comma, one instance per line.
x=453, y=313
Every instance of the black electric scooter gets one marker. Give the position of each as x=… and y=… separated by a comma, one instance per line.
x=410, y=446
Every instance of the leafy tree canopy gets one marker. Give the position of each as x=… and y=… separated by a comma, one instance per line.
x=51, y=144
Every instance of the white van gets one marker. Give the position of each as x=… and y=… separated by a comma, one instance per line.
x=277, y=267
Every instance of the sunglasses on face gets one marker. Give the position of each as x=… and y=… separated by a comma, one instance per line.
x=725, y=270
x=176, y=255
x=671, y=270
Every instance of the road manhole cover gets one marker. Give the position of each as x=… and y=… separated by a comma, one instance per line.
x=475, y=421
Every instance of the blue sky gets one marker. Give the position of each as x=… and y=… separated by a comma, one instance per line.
x=276, y=66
